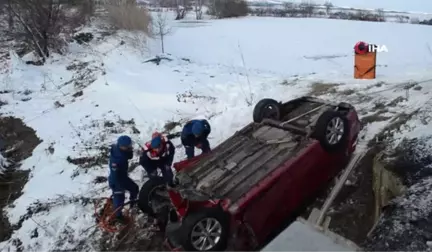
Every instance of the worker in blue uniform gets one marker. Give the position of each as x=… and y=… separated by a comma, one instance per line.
x=118, y=179
x=195, y=134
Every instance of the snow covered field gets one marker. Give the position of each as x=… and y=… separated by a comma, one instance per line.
x=81, y=103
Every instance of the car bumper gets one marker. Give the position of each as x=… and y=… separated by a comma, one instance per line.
x=172, y=233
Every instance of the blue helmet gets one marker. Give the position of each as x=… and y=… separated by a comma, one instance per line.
x=198, y=128
x=156, y=142
x=124, y=141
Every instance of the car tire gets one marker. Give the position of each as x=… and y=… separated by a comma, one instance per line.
x=326, y=123
x=266, y=108
x=146, y=193
x=345, y=105
x=195, y=221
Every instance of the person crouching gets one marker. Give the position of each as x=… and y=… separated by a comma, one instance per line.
x=195, y=134
x=158, y=154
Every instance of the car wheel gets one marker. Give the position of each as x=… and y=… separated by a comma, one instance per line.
x=345, y=105
x=332, y=131
x=205, y=230
x=267, y=108
x=148, y=193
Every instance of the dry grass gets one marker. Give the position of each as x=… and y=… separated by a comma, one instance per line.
x=129, y=17
x=321, y=88
x=376, y=117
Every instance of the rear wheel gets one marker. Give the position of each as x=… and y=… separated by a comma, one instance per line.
x=148, y=193
x=267, y=108
x=332, y=131
x=345, y=105
x=205, y=230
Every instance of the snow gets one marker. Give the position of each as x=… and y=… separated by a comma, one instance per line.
x=204, y=78
x=3, y=164
x=290, y=46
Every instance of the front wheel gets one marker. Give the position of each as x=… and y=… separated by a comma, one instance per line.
x=332, y=131
x=205, y=230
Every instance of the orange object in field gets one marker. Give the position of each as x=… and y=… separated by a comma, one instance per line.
x=364, y=62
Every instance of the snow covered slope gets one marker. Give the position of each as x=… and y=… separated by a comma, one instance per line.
x=80, y=103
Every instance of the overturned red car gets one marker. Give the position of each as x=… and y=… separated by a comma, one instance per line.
x=237, y=195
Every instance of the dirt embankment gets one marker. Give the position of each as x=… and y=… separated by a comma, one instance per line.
x=405, y=223
x=18, y=143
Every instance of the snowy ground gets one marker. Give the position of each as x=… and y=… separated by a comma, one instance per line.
x=80, y=103
x=3, y=164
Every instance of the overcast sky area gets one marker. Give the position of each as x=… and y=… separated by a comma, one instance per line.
x=400, y=5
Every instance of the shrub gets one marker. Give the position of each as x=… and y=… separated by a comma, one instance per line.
x=83, y=37
x=127, y=15
x=228, y=8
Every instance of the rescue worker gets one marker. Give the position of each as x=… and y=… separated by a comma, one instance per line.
x=194, y=134
x=118, y=178
x=158, y=153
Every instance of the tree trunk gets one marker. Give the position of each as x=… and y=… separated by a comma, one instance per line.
x=10, y=16
x=162, y=42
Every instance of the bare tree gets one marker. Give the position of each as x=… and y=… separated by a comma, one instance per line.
x=6, y=10
x=44, y=25
x=291, y=9
x=328, y=6
x=182, y=7
x=198, y=9
x=85, y=7
x=380, y=14
x=307, y=8
x=401, y=19
x=161, y=28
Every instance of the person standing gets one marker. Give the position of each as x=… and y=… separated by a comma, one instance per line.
x=118, y=179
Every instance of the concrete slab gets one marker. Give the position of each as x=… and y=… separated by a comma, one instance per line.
x=302, y=236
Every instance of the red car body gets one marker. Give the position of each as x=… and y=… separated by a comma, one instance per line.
x=278, y=195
